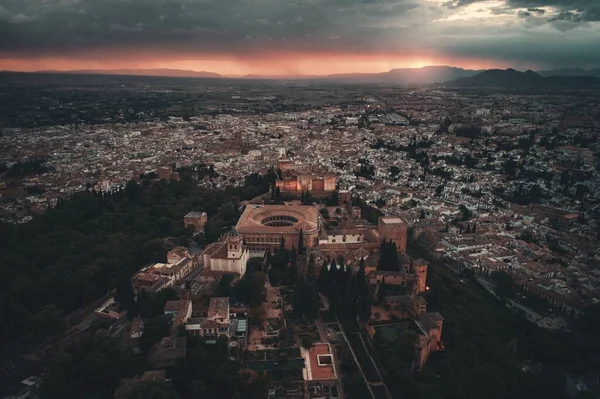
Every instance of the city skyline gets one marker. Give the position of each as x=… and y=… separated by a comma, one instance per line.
x=236, y=38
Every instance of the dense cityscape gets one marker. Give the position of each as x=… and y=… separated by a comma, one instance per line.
x=218, y=238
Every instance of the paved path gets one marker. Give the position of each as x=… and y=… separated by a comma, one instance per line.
x=369, y=384
x=355, y=359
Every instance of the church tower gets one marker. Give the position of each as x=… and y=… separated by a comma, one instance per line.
x=234, y=247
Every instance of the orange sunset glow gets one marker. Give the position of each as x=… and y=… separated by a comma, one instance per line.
x=266, y=64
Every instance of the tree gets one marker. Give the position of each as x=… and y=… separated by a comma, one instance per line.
x=361, y=293
x=124, y=296
x=306, y=342
x=257, y=315
x=154, y=330
x=504, y=283
x=154, y=251
x=466, y=213
x=151, y=304
x=334, y=295
x=347, y=298
x=153, y=390
x=388, y=257
x=300, y=243
x=323, y=279
x=97, y=369
x=293, y=268
x=251, y=289
x=58, y=379
x=48, y=322
x=282, y=244
x=305, y=300
x=310, y=269
x=224, y=288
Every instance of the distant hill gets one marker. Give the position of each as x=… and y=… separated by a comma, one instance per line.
x=571, y=72
x=513, y=78
x=399, y=76
x=425, y=75
x=405, y=76
x=176, y=73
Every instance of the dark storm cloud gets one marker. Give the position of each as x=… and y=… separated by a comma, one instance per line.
x=571, y=10
x=536, y=10
x=195, y=25
x=558, y=51
x=249, y=28
x=459, y=3
x=588, y=10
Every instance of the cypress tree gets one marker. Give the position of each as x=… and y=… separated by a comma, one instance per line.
x=310, y=269
x=323, y=280
x=282, y=244
x=300, y=243
x=294, y=268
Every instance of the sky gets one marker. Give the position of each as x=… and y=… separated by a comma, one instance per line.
x=298, y=37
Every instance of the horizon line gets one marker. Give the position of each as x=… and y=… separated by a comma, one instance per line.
x=249, y=75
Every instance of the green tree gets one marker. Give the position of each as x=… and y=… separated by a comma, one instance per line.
x=48, y=322
x=153, y=390
x=305, y=300
x=362, y=297
x=151, y=304
x=306, y=342
x=251, y=289
x=58, y=379
x=154, y=251
x=310, y=269
x=301, y=243
x=154, y=330
x=124, y=296
x=224, y=288
x=293, y=268
x=504, y=283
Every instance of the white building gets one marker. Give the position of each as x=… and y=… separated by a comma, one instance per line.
x=229, y=255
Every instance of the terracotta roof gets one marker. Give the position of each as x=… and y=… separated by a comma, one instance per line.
x=324, y=371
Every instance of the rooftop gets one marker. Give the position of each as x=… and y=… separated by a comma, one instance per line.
x=218, y=307
x=266, y=218
x=393, y=220
x=195, y=214
x=320, y=365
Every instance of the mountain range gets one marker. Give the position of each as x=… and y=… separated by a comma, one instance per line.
x=512, y=78
x=173, y=73
x=402, y=76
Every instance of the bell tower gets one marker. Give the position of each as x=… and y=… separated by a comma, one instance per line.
x=234, y=245
x=234, y=248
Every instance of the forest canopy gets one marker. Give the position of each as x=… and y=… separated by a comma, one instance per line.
x=79, y=251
